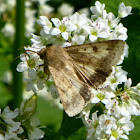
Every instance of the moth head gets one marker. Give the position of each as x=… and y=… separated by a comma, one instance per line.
x=41, y=53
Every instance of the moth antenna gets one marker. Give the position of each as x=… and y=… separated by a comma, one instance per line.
x=14, y=59
x=31, y=51
x=20, y=48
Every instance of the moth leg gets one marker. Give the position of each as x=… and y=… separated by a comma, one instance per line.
x=38, y=67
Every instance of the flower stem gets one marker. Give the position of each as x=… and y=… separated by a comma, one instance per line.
x=18, y=44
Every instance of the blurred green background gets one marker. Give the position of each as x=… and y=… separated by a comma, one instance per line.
x=49, y=113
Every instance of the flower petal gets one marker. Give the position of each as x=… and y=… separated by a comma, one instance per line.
x=65, y=35
x=55, y=31
x=22, y=66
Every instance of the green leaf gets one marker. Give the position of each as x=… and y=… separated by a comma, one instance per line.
x=70, y=125
x=132, y=63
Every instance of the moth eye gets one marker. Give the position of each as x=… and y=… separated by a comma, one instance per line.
x=41, y=56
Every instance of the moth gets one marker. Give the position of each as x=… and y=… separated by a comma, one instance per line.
x=76, y=69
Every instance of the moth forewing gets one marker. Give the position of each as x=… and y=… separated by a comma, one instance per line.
x=95, y=60
x=76, y=69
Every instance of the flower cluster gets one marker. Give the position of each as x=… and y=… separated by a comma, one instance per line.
x=11, y=129
x=8, y=6
x=117, y=102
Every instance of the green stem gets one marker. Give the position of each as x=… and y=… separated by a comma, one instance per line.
x=18, y=44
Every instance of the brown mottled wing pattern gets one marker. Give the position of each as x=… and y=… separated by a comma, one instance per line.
x=94, y=61
x=69, y=91
x=72, y=91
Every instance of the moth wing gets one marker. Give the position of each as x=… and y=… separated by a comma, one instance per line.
x=95, y=60
x=71, y=90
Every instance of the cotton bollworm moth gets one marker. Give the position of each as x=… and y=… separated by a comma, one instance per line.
x=75, y=69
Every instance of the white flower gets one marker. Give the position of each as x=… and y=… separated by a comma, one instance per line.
x=11, y=135
x=97, y=29
x=106, y=123
x=78, y=40
x=27, y=62
x=112, y=20
x=101, y=95
x=129, y=106
x=125, y=124
x=79, y=20
x=37, y=41
x=31, y=81
x=86, y=112
x=65, y=9
x=121, y=32
x=2, y=137
x=8, y=30
x=84, y=11
x=62, y=27
x=98, y=9
x=3, y=7
x=124, y=11
x=12, y=126
x=54, y=92
x=36, y=80
x=8, y=114
x=11, y=3
x=118, y=76
x=45, y=9
x=113, y=108
x=30, y=21
x=33, y=131
x=116, y=134
x=92, y=125
x=44, y=21
x=41, y=2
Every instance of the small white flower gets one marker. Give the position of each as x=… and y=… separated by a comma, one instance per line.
x=8, y=30
x=118, y=76
x=121, y=32
x=84, y=11
x=44, y=21
x=30, y=21
x=106, y=123
x=2, y=137
x=37, y=40
x=34, y=132
x=124, y=11
x=54, y=92
x=45, y=9
x=79, y=20
x=78, y=40
x=11, y=135
x=126, y=124
x=129, y=106
x=27, y=62
x=92, y=125
x=97, y=29
x=112, y=20
x=98, y=9
x=65, y=9
x=62, y=27
x=113, y=108
x=9, y=114
x=102, y=95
